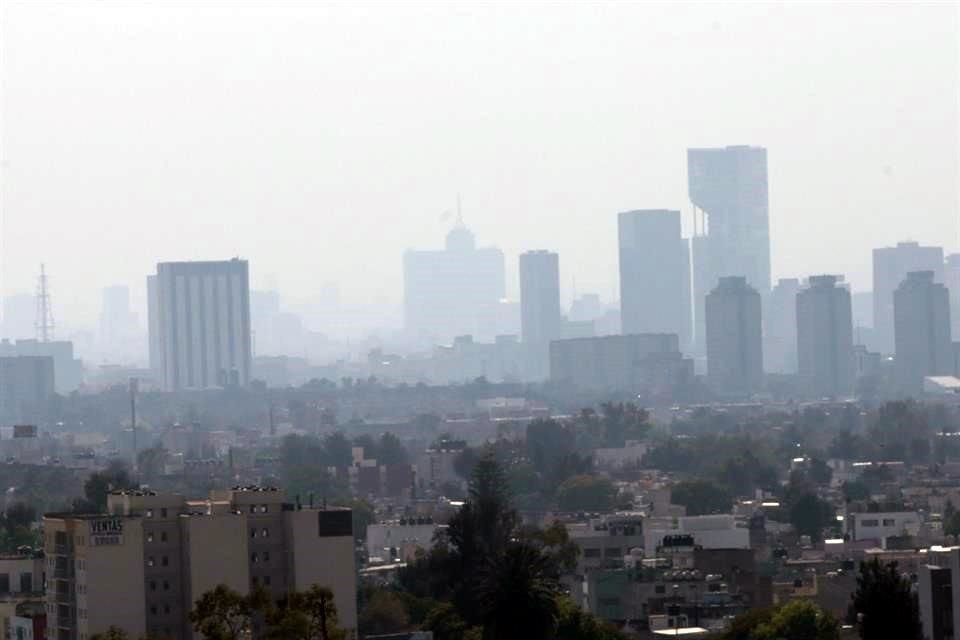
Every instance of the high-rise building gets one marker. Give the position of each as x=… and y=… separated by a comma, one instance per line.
x=921, y=321
x=951, y=278
x=825, y=337
x=142, y=565
x=728, y=187
x=890, y=266
x=67, y=370
x=453, y=292
x=654, y=274
x=780, y=327
x=26, y=389
x=540, y=320
x=118, y=324
x=200, y=324
x=734, y=337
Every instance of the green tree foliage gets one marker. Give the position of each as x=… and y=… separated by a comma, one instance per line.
x=16, y=527
x=796, y=620
x=224, y=614
x=855, y=490
x=573, y=623
x=951, y=520
x=115, y=477
x=884, y=604
x=306, y=615
x=701, y=497
x=391, y=451
x=339, y=451
x=517, y=595
x=384, y=612
x=548, y=441
x=901, y=431
x=447, y=624
x=586, y=493
x=810, y=515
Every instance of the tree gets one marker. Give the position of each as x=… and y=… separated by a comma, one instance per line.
x=573, y=623
x=115, y=477
x=113, y=633
x=306, y=615
x=517, y=595
x=391, y=451
x=798, y=620
x=884, y=604
x=224, y=614
x=383, y=613
x=586, y=493
x=339, y=451
x=701, y=497
x=150, y=462
x=446, y=624
x=810, y=515
x=951, y=520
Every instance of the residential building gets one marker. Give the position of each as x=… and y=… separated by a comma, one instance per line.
x=938, y=586
x=400, y=539
x=780, y=327
x=890, y=266
x=921, y=310
x=654, y=274
x=452, y=292
x=728, y=189
x=825, y=354
x=734, y=338
x=722, y=531
x=200, y=324
x=540, y=319
x=143, y=564
x=648, y=363
x=882, y=525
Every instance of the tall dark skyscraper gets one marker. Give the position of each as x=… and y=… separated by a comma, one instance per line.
x=654, y=274
x=200, y=324
x=734, y=337
x=540, y=318
x=728, y=188
x=921, y=312
x=825, y=337
x=454, y=291
x=890, y=267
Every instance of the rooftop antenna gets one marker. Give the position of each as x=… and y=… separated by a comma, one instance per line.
x=44, y=320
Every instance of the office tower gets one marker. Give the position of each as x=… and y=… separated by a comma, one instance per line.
x=734, y=337
x=921, y=321
x=67, y=370
x=143, y=564
x=825, y=337
x=728, y=187
x=201, y=318
x=654, y=274
x=639, y=363
x=19, y=314
x=951, y=278
x=540, y=320
x=454, y=291
x=890, y=266
x=780, y=327
x=118, y=324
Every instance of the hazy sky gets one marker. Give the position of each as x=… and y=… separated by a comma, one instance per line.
x=319, y=141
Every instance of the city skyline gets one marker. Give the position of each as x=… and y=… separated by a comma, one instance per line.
x=862, y=165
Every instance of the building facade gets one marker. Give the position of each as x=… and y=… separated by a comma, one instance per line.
x=540, y=319
x=26, y=389
x=890, y=266
x=143, y=564
x=654, y=274
x=199, y=321
x=780, y=327
x=921, y=322
x=729, y=191
x=453, y=292
x=639, y=363
x=734, y=338
x=825, y=337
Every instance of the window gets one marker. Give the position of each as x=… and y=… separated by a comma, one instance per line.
x=165, y=561
x=611, y=552
x=255, y=580
x=254, y=558
x=266, y=580
x=253, y=508
x=660, y=588
x=266, y=556
x=889, y=522
x=253, y=533
x=265, y=533
x=150, y=537
x=166, y=609
x=263, y=508
x=869, y=523
x=153, y=585
x=149, y=513
x=153, y=609
x=150, y=561
x=4, y=583
x=166, y=585
x=591, y=553
x=26, y=583
x=163, y=512
x=163, y=536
